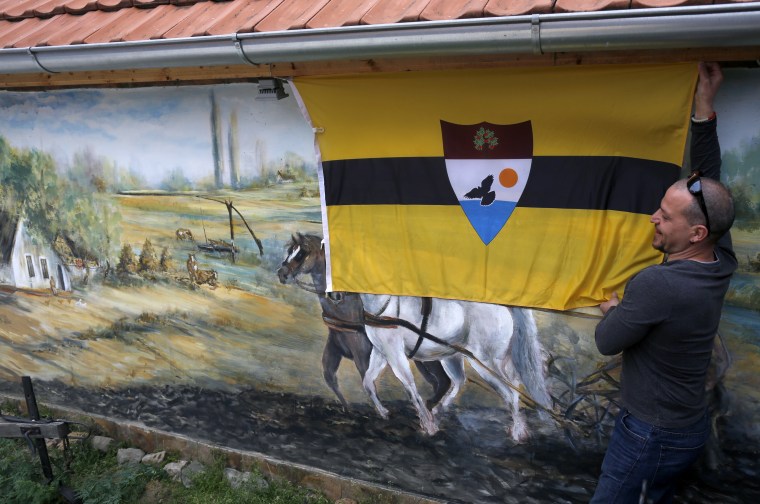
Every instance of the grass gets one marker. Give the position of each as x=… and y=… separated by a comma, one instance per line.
x=99, y=479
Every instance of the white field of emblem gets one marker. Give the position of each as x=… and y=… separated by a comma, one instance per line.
x=488, y=166
x=494, y=187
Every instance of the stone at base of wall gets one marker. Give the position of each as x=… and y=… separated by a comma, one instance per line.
x=333, y=486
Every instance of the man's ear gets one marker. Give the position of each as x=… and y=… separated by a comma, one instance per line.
x=698, y=233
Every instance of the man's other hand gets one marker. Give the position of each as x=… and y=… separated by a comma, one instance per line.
x=710, y=79
x=613, y=301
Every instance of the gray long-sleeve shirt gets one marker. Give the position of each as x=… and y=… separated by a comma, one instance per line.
x=665, y=324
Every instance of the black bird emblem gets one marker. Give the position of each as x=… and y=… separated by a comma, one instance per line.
x=484, y=192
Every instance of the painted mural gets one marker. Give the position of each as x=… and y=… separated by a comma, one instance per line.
x=160, y=261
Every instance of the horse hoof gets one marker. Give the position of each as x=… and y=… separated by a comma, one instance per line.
x=432, y=431
x=438, y=412
x=519, y=434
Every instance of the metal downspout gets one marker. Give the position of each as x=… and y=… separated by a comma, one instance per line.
x=729, y=25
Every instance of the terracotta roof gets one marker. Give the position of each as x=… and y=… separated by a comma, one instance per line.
x=29, y=23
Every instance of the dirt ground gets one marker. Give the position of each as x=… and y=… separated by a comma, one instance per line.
x=469, y=460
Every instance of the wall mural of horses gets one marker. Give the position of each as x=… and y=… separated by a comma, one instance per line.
x=343, y=314
x=499, y=342
x=176, y=316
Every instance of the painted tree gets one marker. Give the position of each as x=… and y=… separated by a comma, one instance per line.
x=260, y=150
x=234, y=148
x=65, y=203
x=166, y=262
x=176, y=180
x=127, y=261
x=5, y=162
x=741, y=167
x=148, y=259
x=216, y=142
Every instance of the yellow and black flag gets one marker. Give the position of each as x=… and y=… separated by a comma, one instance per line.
x=529, y=187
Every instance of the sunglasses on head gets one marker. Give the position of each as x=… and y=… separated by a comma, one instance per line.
x=694, y=185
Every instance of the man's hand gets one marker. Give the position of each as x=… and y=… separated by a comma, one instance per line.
x=710, y=79
x=613, y=301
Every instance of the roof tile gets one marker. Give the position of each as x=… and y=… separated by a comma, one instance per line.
x=77, y=33
x=158, y=21
x=242, y=19
x=116, y=27
x=113, y=5
x=341, y=14
x=395, y=11
x=49, y=8
x=638, y=4
x=590, y=5
x=149, y=3
x=452, y=9
x=518, y=7
x=290, y=15
x=20, y=10
x=80, y=6
x=4, y=4
x=40, y=37
x=21, y=29
x=196, y=22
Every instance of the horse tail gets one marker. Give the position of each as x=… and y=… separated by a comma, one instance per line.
x=526, y=356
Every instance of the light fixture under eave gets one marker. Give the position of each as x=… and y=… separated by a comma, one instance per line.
x=271, y=89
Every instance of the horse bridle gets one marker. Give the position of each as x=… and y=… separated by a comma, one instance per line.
x=294, y=272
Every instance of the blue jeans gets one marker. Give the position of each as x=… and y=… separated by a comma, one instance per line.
x=644, y=461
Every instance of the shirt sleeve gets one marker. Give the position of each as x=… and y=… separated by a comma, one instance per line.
x=645, y=304
x=705, y=156
x=705, y=149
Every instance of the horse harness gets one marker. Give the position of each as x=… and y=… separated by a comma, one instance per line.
x=375, y=320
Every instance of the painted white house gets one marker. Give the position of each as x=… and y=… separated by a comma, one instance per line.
x=26, y=263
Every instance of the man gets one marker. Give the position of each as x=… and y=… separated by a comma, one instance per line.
x=665, y=325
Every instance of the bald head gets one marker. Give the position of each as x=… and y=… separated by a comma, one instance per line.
x=719, y=203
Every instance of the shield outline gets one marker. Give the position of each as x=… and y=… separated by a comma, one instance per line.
x=468, y=158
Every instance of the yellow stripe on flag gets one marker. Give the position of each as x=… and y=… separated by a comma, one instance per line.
x=633, y=111
x=543, y=257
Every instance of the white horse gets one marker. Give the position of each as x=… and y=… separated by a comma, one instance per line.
x=500, y=343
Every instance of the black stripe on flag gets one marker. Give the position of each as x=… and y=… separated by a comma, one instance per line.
x=577, y=182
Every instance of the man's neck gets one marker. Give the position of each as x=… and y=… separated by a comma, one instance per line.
x=699, y=253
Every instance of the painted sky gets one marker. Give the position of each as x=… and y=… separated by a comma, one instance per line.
x=155, y=130
x=738, y=107
x=158, y=129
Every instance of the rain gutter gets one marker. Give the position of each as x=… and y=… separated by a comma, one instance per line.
x=729, y=25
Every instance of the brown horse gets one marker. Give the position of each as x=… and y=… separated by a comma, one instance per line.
x=343, y=313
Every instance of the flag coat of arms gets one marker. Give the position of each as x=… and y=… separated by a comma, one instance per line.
x=529, y=187
x=488, y=167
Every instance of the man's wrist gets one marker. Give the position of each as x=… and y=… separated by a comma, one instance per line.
x=697, y=119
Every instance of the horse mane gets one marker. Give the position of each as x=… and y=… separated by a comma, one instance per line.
x=306, y=240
